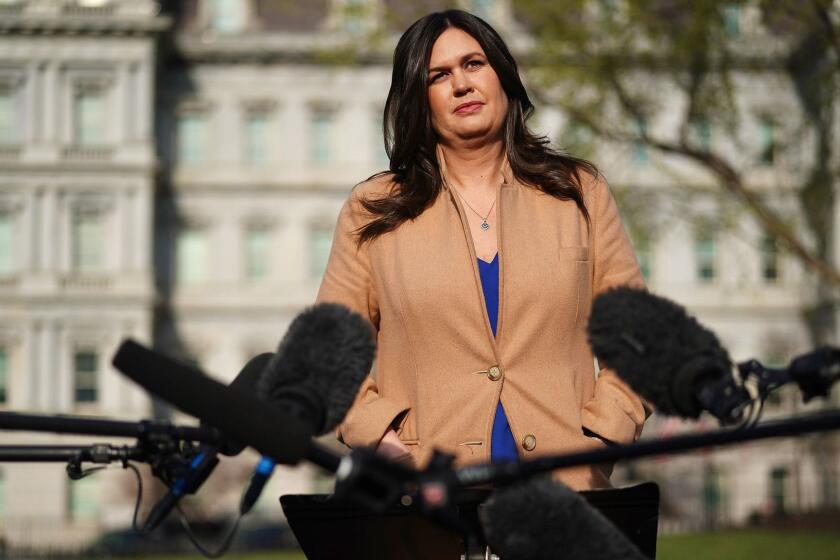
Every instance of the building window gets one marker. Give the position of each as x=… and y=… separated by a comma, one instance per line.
x=4, y=375
x=767, y=137
x=84, y=498
x=7, y=243
x=9, y=117
x=641, y=246
x=640, y=151
x=85, y=374
x=321, y=129
x=192, y=138
x=256, y=138
x=88, y=242
x=2, y=492
x=732, y=20
x=319, y=251
x=704, y=254
x=257, y=243
x=192, y=255
x=90, y=118
x=482, y=9
x=354, y=13
x=769, y=259
x=703, y=134
x=713, y=495
x=778, y=478
x=378, y=141
x=229, y=16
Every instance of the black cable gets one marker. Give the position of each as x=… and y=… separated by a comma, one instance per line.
x=134, y=525
x=223, y=548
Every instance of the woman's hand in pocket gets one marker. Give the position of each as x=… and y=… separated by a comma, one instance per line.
x=390, y=446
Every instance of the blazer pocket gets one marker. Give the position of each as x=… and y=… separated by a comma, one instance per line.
x=578, y=257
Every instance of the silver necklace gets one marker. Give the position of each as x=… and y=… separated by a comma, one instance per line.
x=484, y=225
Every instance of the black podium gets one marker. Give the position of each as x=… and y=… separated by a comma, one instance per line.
x=327, y=528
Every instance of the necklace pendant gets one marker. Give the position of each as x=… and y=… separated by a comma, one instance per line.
x=484, y=225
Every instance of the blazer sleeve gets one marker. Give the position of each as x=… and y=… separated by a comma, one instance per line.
x=615, y=412
x=348, y=280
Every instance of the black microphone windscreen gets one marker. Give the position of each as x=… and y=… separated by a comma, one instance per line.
x=328, y=351
x=656, y=347
x=238, y=415
x=543, y=520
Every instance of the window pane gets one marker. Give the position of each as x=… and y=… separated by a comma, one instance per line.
x=769, y=259
x=86, y=366
x=640, y=155
x=321, y=130
x=319, y=252
x=229, y=15
x=6, y=244
x=732, y=20
x=483, y=9
x=703, y=130
x=778, y=477
x=256, y=135
x=88, y=242
x=380, y=155
x=256, y=251
x=768, y=142
x=192, y=255
x=192, y=137
x=84, y=497
x=641, y=246
x=9, y=133
x=4, y=375
x=90, y=118
x=704, y=252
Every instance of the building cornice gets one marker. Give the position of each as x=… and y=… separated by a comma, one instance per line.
x=69, y=17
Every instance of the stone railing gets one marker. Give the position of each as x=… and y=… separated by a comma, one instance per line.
x=83, y=282
x=87, y=153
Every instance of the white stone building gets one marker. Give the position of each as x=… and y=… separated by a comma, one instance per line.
x=175, y=176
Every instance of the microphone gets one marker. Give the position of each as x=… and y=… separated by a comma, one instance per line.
x=206, y=459
x=665, y=355
x=238, y=414
x=543, y=520
x=315, y=374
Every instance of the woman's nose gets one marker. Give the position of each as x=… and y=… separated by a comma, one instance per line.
x=462, y=84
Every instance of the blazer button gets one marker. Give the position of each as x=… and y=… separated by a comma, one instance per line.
x=494, y=373
x=529, y=442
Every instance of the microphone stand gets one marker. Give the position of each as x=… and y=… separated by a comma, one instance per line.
x=167, y=448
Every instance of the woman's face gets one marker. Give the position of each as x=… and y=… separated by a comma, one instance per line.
x=466, y=99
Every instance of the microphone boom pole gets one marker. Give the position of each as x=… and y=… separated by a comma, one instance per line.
x=65, y=424
x=509, y=472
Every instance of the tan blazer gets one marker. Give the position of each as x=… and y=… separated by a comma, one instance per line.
x=440, y=372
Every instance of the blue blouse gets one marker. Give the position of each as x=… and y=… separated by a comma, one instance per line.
x=502, y=445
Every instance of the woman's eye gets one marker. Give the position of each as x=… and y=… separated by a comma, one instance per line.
x=475, y=64
x=434, y=78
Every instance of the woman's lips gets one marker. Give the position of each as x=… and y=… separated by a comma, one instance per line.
x=470, y=107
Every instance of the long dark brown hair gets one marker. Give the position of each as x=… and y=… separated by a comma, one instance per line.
x=410, y=139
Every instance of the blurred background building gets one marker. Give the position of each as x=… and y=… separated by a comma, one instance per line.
x=172, y=171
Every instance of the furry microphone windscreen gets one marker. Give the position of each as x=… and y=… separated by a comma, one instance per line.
x=543, y=520
x=327, y=351
x=656, y=347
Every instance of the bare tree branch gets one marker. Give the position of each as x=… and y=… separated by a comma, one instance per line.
x=729, y=179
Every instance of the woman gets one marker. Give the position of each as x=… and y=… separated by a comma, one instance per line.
x=476, y=258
